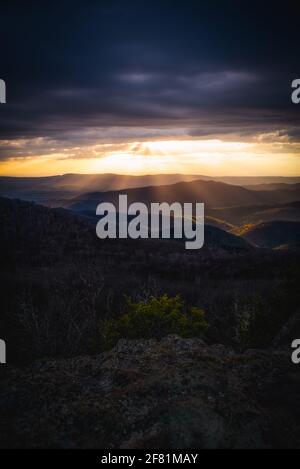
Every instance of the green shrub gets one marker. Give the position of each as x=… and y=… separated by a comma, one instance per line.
x=155, y=318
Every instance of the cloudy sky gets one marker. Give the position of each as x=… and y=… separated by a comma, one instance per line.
x=149, y=86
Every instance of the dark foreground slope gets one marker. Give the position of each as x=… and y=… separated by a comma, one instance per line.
x=177, y=393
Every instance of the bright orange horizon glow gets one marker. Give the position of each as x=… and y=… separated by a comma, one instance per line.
x=212, y=157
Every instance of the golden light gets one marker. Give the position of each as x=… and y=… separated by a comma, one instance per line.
x=213, y=157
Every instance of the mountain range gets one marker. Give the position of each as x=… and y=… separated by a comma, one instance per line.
x=211, y=193
x=70, y=185
x=233, y=213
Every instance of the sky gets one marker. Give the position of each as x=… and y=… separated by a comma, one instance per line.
x=139, y=87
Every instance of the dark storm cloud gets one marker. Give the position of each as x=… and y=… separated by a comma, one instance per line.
x=214, y=69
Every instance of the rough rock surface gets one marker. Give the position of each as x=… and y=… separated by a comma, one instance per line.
x=173, y=393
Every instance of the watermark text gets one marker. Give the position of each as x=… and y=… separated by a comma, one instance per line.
x=175, y=220
x=296, y=93
x=2, y=351
x=2, y=92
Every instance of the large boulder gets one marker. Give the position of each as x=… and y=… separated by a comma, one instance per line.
x=173, y=393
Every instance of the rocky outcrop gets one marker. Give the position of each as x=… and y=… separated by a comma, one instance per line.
x=173, y=393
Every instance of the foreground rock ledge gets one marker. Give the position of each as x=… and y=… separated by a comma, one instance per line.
x=173, y=393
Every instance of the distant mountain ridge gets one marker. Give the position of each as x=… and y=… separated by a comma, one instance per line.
x=212, y=193
x=69, y=185
x=273, y=186
x=78, y=183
